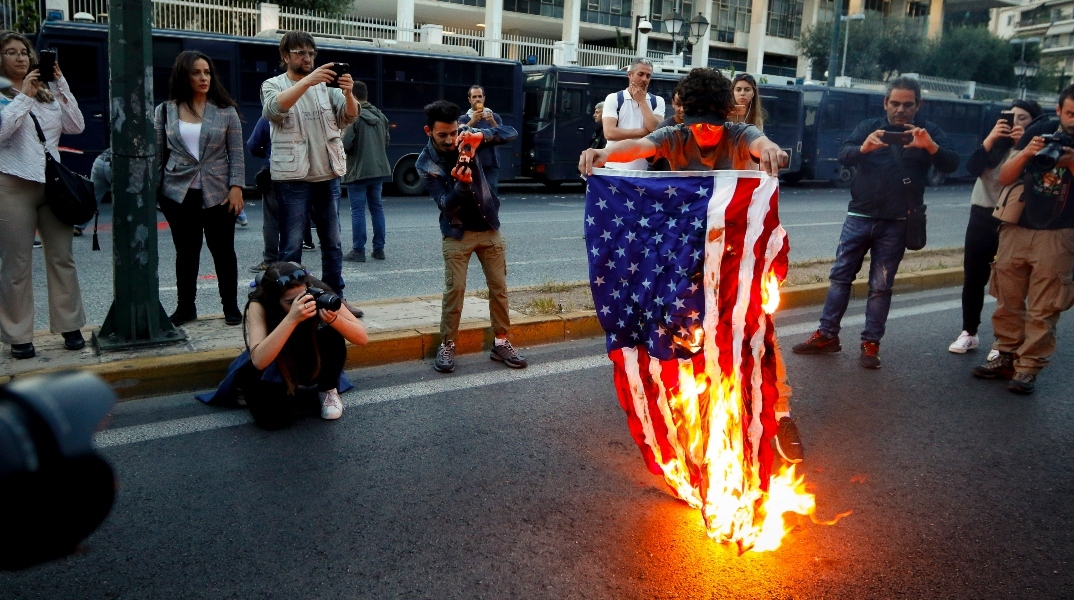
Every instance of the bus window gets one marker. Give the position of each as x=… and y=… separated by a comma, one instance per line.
x=831, y=116
x=570, y=100
x=811, y=100
x=256, y=64
x=164, y=53
x=80, y=68
x=410, y=82
x=538, y=101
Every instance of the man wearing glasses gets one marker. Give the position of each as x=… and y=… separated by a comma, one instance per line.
x=633, y=113
x=307, y=119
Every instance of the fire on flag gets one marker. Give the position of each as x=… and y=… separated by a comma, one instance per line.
x=685, y=270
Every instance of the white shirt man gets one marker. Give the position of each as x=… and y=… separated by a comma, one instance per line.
x=633, y=113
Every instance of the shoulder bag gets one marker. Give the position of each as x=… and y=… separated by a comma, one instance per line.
x=69, y=195
x=165, y=152
x=916, y=229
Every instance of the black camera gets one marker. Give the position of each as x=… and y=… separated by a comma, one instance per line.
x=340, y=69
x=1053, y=149
x=56, y=490
x=325, y=299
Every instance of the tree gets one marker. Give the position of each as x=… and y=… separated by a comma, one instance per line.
x=330, y=6
x=878, y=47
x=972, y=54
x=27, y=16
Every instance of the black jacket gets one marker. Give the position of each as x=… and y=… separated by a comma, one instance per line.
x=878, y=190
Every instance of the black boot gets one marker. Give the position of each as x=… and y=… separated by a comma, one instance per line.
x=232, y=315
x=183, y=314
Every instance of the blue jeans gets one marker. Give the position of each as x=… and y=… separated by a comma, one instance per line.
x=320, y=201
x=360, y=193
x=885, y=241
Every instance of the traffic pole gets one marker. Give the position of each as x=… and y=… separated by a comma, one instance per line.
x=833, y=54
x=136, y=317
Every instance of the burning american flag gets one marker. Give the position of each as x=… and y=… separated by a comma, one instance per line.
x=685, y=270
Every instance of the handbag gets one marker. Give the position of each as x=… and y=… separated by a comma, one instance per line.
x=69, y=195
x=1010, y=204
x=165, y=152
x=916, y=225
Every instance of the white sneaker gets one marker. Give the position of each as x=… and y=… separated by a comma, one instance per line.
x=964, y=342
x=993, y=354
x=331, y=405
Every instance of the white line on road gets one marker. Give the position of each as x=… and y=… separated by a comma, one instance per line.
x=220, y=420
x=786, y=225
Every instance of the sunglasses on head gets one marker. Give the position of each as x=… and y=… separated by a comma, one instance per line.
x=744, y=77
x=294, y=276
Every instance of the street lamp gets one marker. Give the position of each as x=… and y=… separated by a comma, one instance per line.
x=847, y=19
x=673, y=23
x=1022, y=69
x=688, y=31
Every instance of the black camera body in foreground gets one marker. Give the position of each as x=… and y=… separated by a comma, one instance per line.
x=54, y=488
x=324, y=299
x=1053, y=149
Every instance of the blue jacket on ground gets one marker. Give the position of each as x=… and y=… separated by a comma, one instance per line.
x=450, y=194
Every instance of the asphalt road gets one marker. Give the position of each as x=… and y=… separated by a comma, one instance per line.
x=544, y=233
x=491, y=483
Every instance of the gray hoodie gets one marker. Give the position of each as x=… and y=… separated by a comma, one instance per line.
x=365, y=142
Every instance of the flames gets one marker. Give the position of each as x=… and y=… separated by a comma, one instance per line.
x=715, y=469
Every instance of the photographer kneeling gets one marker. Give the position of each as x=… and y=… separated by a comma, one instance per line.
x=1031, y=277
x=298, y=329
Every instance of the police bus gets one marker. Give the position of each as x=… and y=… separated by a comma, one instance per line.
x=402, y=77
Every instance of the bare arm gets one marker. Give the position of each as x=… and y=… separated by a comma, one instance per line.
x=344, y=321
x=1011, y=170
x=623, y=151
x=768, y=153
x=614, y=133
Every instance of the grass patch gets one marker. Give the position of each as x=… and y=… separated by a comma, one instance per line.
x=483, y=294
x=544, y=306
x=552, y=287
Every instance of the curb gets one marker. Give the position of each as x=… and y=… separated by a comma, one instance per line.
x=144, y=377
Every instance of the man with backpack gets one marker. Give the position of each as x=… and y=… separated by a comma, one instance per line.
x=633, y=113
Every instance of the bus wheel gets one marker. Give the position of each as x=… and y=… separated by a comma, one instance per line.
x=846, y=177
x=935, y=177
x=406, y=178
x=552, y=185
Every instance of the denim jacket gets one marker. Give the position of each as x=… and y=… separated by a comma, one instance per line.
x=450, y=194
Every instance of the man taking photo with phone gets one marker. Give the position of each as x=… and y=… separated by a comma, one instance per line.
x=306, y=119
x=892, y=155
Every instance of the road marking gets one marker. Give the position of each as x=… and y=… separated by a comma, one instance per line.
x=785, y=225
x=219, y=420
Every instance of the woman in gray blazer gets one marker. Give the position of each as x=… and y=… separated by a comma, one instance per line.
x=200, y=140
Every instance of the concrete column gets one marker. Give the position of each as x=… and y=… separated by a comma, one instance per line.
x=758, y=29
x=854, y=7
x=572, y=17
x=810, y=8
x=700, y=55
x=641, y=40
x=564, y=54
x=404, y=20
x=935, y=19
x=270, y=16
x=432, y=34
x=493, y=27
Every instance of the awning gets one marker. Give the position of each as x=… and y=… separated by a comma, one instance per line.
x=1060, y=29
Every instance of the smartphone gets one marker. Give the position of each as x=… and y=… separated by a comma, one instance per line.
x=896, y=138
x=1008, y=116
x=340, y=69
x=46, y=66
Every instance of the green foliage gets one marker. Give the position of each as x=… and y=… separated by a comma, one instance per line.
x=27, y=16
x=877, y=48
x=622, y=42
x=971, y=53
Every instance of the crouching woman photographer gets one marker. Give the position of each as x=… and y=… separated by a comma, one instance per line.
x=297, y=333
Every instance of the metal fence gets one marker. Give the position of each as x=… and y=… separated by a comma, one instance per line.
x=473, y=38
x=7, y=14
x=523, y=47
x=324, y=23
x=216, y=16
x=602, y=56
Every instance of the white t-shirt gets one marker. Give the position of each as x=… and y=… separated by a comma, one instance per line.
x=191, y=134
x=629, y=117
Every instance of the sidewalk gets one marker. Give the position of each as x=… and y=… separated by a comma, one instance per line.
x=401, y=329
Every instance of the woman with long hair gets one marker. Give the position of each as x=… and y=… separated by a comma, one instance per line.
x=295, y=348
x=24, y=107
x=982, y=231
x=747, y=101
x=200, y=140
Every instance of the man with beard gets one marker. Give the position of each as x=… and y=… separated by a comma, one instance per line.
x=307, y=119
x=469, y=222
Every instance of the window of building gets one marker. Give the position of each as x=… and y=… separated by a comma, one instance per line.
x=663, y=7
x=1010, y=20
x=480, y=3
x=785, y=19
x=545, y=8
x=615, y=13
x=731, y=16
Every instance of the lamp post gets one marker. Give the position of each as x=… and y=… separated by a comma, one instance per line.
x=688, y=31
x=846, y=42
x=1022, y=69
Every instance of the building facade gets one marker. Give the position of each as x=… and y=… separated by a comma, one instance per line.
x=1051, y=22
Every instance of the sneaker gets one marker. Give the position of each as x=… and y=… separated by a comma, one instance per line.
x=964, y=342
x=331, y=405
x=1000, y=367
x=242, y=221
x=73, y=340
x=992, y=354
x=445, y=358
x=258, y=268
x=818, y=343
x=507, y=354
x=788, y=442
x=21, y=351
x=307, y=246
x=355, y=256
x=1022, y=383
x=869, y=352
x=378, y=254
